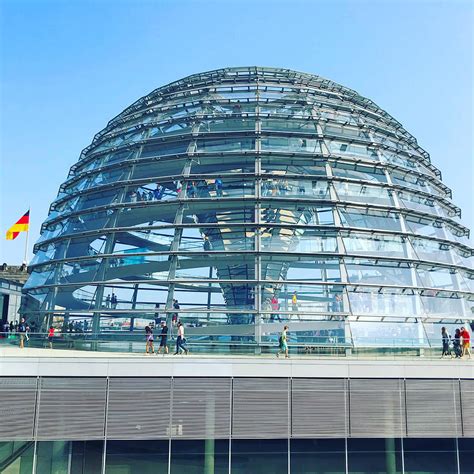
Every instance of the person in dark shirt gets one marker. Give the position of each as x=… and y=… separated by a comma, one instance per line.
x=163, y=339
x=445, y=339
x=22, y=331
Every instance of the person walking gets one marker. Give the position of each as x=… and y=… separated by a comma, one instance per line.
x=22, y=332
x=149, y=340
x=294, y=305
x=283, y=343
x=275, y=308
x=466, y=342
x=445, y=339
x=180, y=340
x=457, y=343
x=174, y=316
x=113, y=300
x=163, y=339
x=218, y=187
x=50, y=336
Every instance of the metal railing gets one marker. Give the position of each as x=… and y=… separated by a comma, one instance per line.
x=215, y=343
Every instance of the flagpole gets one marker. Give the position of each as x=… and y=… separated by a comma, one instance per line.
x=25, y=261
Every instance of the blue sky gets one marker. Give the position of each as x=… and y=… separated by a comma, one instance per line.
x=67, y=67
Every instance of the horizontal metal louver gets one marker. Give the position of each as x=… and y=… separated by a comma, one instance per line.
x=377, y=408
x=467, y=398
x=71, y=408
x=319, y=408
x=138, y=408
x=17, y=408
x=260, y=408
x=201, y=408
x=433, y=408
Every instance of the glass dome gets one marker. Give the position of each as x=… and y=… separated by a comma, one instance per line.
x=252, y=196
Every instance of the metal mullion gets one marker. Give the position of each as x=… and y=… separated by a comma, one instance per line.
x=257, y=242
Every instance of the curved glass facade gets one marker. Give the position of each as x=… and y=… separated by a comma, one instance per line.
x=253, y=196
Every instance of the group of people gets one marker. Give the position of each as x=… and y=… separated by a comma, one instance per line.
x=460, y=343
x=180, y=340
x=21, y=328
x=111, y=301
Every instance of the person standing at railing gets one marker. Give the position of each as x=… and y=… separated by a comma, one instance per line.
x=457, y=344
x=218, y=186
x=50, y=336
x=466, y=342
x=180, y=340
x=6, y=329
x=445, y=339
x=149, y=340
x=22, y=331
x=113, y=300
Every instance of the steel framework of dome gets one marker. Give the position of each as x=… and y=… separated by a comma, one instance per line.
x=253, y=195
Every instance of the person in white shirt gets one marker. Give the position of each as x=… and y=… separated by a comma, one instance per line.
x=180, y=340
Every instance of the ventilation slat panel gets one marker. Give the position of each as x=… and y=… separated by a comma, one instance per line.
x=467, y=397
x=433, y=408
x=201, y=408
x=71, y=408
x=319, y=408
x=260, y=408
x=138, y=408
x=377, y=408
x=17, y=408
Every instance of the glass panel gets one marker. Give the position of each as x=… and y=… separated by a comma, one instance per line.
x=69, y=457
x=137, y=457
x=374, y=456
x=159, y=169
x=200, y=456
x=288, y=267
x=316, y=189
x=259, y=455
x=227, y=124
x=277, y=299
x=359, y=172
x=379, y=273
x=376, y=245
x=318, y=456
x=296, y=215
x=370, y=219
x=41, y=275
x=235, y=144
x=217, y=239
x=162, y=149
x=443, y=305
x=433, y=251
x=466, y=455
x=297, y=240
x=285, y=125
x=288, y=165
x=433, y=455
x=16, y=457
x=219, y=187
x=387, y=334
x=363, y=193
x=351, y=149
x=294, y=144
x=376, y=303
x=231, y=165
x=443, y=278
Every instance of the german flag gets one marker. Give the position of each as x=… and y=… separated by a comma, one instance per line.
x=22, y=225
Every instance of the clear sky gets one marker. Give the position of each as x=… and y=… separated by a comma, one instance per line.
x=67, y=67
